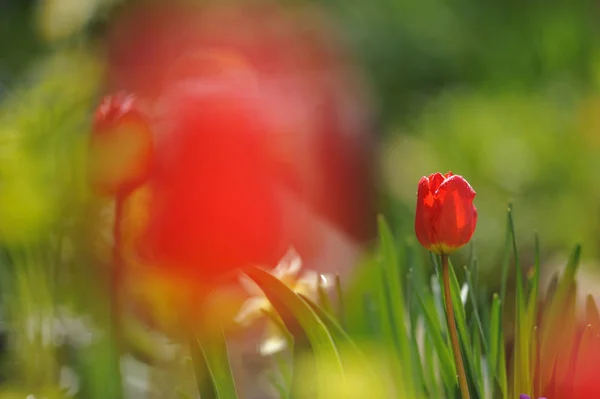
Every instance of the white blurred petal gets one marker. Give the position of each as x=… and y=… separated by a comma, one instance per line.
x=272, y=345
x=250, y=286
x=464, y=293
x=327, y=281
x=289, y=265
x=307, y=284
x=251, y=310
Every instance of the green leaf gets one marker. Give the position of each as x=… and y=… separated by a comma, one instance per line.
x=204, y=383
x=340, y=337
x=392, y=299
x=522, y=336
x=214, y=350
x=496, y=344
x=429, y=370
x=324, y=300
x=434, y=331
x=274, y=317
x=349, y=351
x=506, y=258
x=277, y=385
x=552, y=323
x=340, y=301
x=531, y=320
x=502, y=372
x=534, y=291
x=476, y=310
x=299, y=318
x=475, y=380
x=477, y=358
x=182, y=395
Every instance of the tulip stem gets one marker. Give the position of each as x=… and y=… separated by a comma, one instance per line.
x=460, y=368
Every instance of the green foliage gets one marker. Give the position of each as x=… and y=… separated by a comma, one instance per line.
x=297, y=313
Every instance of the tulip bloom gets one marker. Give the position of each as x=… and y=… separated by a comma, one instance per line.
x=317, y=125
x=121, y=146
x=213, y=203
x=446, y=216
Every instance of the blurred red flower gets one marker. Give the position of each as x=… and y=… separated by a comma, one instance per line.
x=213, y=200
x=258, y=116
x=446, y=217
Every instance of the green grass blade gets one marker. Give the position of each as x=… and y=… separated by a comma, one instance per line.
x=506, y=258
x=532, y=309
x=435, y=333
x=393, y=302
x=340, y=301
x=532, y=319
x=433, y=386
x=413, y=311
x=522, y=335
x=473, y=375
x=477, y=347
x=552, y=323
x=496, y=345
x=502, y=371
x=204, y=383
x=340, y=337
x=323, y=296
x=473, y=301
x=214, y=350
x=296, y=314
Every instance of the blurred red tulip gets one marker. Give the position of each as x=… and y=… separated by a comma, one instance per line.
x=446, y=217
x=261, y=132
x=313, y=113
x=213, y=200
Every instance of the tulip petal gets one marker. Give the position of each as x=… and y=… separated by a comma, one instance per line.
x=435, y=180
x=456, y=217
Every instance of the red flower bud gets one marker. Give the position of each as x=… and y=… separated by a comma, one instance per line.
x=446, y=216
x=121, y=146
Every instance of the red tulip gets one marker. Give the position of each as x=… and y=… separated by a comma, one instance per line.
x=121, y=146
x=214, y=203
x=318, y=137
x=446, y=216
